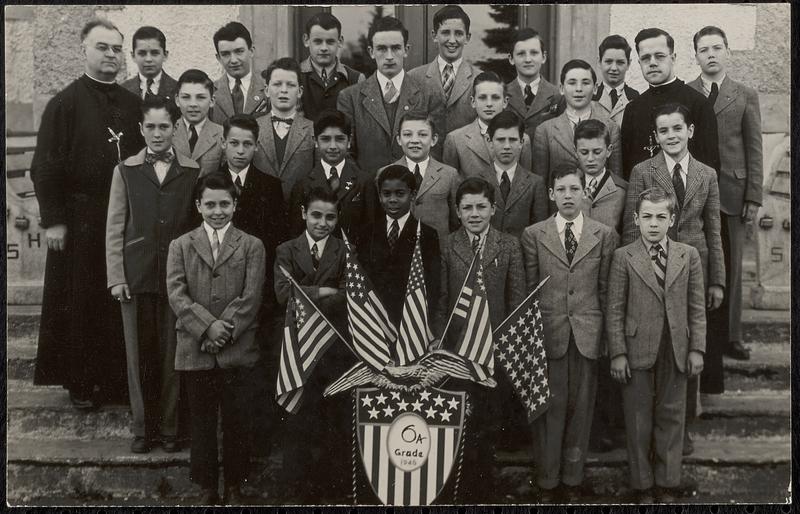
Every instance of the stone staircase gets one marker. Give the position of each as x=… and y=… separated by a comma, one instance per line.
x=59, y=456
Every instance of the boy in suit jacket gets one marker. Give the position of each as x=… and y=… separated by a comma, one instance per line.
x=386, y=246
x=150, y=204
x=613, y=94
x=504, y=279
x=531, y=96
x=656, y=329
x=317, y=262
x=605, y=190
x=467, y=149
x=149, y=53
x=449, y=73
x=215, y=276
x=740, y=181
x=324, y=75
x=521, y=195
x=376, y=105
x=196, y=136
x=286, y=142
x=575, y=252
x=693, y=187
x=239, y=89
x=336, y=172
x=553, y=142
x=435, y=201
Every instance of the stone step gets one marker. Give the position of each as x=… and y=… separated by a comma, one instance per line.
x=102, y=472
x=759, y=403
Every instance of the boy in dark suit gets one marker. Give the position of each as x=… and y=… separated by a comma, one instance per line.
x=386, y=246
x=317, y=262
x=613, y=94
x=656, y=330
x=215, y=276
x=286, y=141
x=521, y=196
x=531, y=96
x=575, y=252
x=324, y=76
x=196, y=136
x=336, y=172
x=150, y=204
x=693, y=187
x=149, y=53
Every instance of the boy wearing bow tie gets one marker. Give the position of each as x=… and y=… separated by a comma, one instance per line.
x=150, y=205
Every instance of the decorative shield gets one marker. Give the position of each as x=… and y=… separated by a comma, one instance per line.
x=409, y=441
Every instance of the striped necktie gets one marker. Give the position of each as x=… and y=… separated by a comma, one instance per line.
x=215, y=245
x=448, y=79
x=659, y=258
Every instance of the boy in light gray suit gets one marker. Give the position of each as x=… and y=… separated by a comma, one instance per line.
x=196, y=136
x=656, y=330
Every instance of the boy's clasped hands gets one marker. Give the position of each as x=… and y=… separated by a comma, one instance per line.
x=219, y=334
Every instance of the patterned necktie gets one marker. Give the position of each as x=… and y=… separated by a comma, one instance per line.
x=505, y=186
x=315, y=256
x=192, y=138
x=165, y=156
x=476, y=242
x=417, y=176
x=712, y=96
x=529, y=96
x=614, y=97
x=677, y=183
x=148, y=92
x=238, y=97
x=591, y=188
x=394, y=232
x=214, y=246
x=388, y=96
x=238, y=183
x=333, y=180
x=448, y=79
x=570, y=243
x=324, y=77
x=659, y=258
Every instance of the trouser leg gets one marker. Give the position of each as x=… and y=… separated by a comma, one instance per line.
x=204, y=392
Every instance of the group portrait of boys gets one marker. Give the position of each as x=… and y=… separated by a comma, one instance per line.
x=208, y=202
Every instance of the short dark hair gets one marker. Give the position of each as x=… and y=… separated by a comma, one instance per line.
x=475, y=186
x=325, y=20
x=154, y=103
x=450, y=12
x=98, y=22
x=563, y=170
x=231, y=32
x=242, y=121
x=577, y=64
x=591, y=129
x=194, y=76
x=488, y=76
x=651, y=33
x=148, y=32
x=655, y=195
x=505, y=120
x=396, y=172
x=331, y=118
x=672, y=108
x=321, y=194
x=284, y=63
x=427, y=118
x=709, y=30
x=615, y=42
x=525, y=34
x=387, y=24
x=215, y=180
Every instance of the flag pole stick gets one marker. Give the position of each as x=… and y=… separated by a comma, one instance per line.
x=455, y=306
x=297, y=287
x=522, y=303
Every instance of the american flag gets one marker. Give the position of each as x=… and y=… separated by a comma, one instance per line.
x=472, y=310
x=520, y=350
x=369, y=324
x=306, y=337
x=415, y=334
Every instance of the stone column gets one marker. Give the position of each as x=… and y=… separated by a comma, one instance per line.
x=578, y=32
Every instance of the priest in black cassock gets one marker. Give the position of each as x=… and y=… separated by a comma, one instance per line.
x=656, y=50
x=86, y=129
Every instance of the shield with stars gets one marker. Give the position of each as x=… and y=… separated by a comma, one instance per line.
x=409, y=441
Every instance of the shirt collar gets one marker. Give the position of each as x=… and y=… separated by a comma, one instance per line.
x=534, y=85
x=245, y=81
x=169, y=151
x=511, y=172
x=665, y=83
x=664, y=244
x=198, y=126
x=707, y=82
x=100, y=81
x=423, y=166
x=285, y=116
x=442, y=63
x=220, y=232
x=482, y=235
x=320, y=244
x=608, y=87
x=598, y=177
x=482, y=126
x=397, y=80
x=156, y=80
x=326, y=168
x=401, y=221
x=683, y=162
x=572, y=114
x=242, y=174
x=577, y=224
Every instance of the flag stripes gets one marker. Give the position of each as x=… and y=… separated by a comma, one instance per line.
x=475, y=343
x=415, y=333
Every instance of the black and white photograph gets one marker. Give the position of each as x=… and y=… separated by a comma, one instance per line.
x=398, y=255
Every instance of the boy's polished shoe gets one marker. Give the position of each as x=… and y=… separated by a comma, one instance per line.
x=737, y=351
x=209, y=496
x=82, y=404
x=170, y=444
x=140, y=445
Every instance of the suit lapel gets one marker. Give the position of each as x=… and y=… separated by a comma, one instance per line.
x=173, y=172
x=515, y=100
x=543, y=97
x=432, y=176
x=303, y=254
x=372, y=101
x=329, y=257
x=491, y=248
x=587, y=241
x=463, y=82
x=552, y=242
x=228, y=245
x=406, y=101
x=727, y=94
x=563, y=133
x=293, y=139
x=202, y=245
x=149, y=172
x=267, y=138
x=222, y=98
x=477, y=143
x=609, y=188
x=205, y=140
x=462, y=246
x=181, y=139
x=693, y=181
x=622, y=101
x=255, y=94
x=519, y=186
x=676, y=261
x=658, y=166
x=348, y=175
x=643, y=266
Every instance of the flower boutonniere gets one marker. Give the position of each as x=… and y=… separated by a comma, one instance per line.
x=348, y=185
